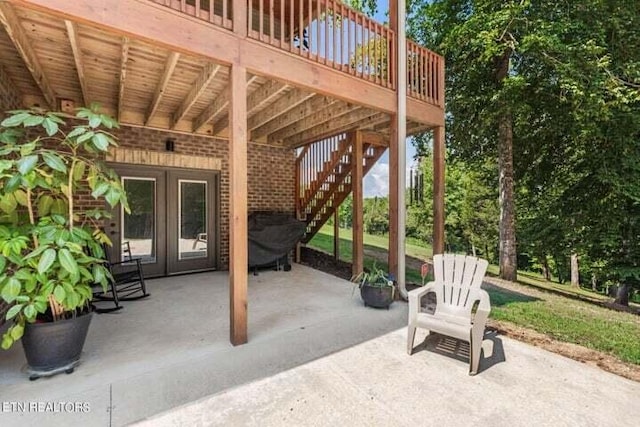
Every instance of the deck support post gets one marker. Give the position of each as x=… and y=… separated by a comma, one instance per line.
x=336, y=233
x=356, y=185
x=438, y=190
x=401, y=135
x=238, y=246
x=393, y=198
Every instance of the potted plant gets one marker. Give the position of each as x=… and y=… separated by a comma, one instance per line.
x=376, y=288
x=50, y=247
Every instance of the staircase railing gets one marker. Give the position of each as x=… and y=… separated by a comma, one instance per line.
x=324, y=177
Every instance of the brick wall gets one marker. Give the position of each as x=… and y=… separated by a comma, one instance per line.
x=9, y=97
x=271, y=179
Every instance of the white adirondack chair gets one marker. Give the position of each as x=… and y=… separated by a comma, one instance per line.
x=457, y=287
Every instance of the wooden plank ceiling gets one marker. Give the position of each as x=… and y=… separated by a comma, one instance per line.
x=49, y=60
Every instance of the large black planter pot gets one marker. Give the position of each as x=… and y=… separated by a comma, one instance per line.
x=376, y=296
x=55, y=347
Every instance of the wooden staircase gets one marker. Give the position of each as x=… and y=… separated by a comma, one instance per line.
x=324, y=176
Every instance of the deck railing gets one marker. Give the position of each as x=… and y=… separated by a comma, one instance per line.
x=330, y=33
x=327, y=32
x=220, y=14
x=425, y=74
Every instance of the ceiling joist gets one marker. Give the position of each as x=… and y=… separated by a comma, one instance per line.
x=362, y=117
x=217, y=107
x=202, y=82
x=257, y=100
x=72, y=33
x=309, y=104
x=124, y=59
x=170, y=65
x=11, y=24
x=283, y=105
x=322, y=114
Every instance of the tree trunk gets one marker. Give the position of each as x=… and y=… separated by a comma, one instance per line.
x=594, y=282
x=508, y=254
x=546, y=272
x=622, y=296
x=575, y=271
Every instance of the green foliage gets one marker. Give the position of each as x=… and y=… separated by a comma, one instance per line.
x=49, y=247
x=471, y=223
x=572, y=92
x=376, y=215
x=368, y=7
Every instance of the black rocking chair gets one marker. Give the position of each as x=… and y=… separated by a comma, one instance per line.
x=128, y=279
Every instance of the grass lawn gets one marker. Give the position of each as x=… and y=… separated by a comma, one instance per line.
x=565, y=319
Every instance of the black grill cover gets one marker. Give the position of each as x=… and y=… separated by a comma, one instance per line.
x=272, y=236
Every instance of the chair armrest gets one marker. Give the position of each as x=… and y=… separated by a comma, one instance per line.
x=415, y=296
x=484, y=308
x=132, y=261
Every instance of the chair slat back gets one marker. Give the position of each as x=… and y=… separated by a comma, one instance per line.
x=458, y=277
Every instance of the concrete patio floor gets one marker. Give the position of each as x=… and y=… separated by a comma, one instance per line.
x=377, y=384
x=315, y=356
x=173, y=347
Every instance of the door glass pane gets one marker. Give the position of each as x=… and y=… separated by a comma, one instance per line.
x=139, y=227
x=192, y=219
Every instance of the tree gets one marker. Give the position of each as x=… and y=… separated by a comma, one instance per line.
x=558, y=86
x=479, y=39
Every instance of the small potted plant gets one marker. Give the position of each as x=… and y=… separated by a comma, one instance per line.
x=50, y=248
x=376, y=287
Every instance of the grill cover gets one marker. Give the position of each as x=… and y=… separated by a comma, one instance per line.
x=272, y=236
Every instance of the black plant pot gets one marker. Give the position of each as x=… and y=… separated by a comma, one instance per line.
x=376, y=296
x=54, y=347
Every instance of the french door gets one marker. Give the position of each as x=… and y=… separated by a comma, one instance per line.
x=173, y=220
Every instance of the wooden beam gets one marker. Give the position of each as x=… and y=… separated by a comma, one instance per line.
x=217, y=107
x=205, y=78
x=213, y=110
x=361, y=117
x=356, y=186
x=238, y=248
x=287, y=103
x=258, y=99
x=393, y=198
x=374, y=138
x=124, y=60
x=438, y=190
x=72, y=33
x=287, y=110
x=332, y=111
x=11, y=24
x=169, y=67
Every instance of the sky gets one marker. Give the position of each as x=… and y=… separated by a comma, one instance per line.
x=376, y=182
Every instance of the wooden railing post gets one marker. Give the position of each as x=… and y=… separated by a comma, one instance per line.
x=240, y=17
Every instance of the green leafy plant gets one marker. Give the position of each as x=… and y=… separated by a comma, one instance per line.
x=376, y=276
x=51, y=248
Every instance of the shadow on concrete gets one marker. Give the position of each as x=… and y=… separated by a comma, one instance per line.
x=492, y=349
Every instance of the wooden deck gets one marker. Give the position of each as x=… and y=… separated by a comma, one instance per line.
x=53, y=58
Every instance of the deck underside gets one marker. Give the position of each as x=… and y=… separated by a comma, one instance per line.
x=55, y=61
